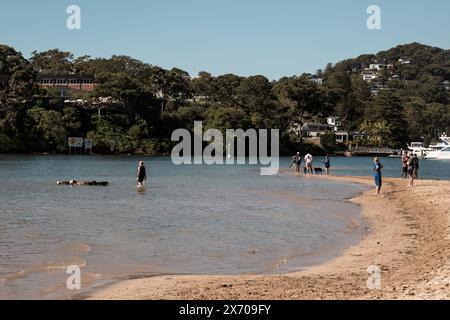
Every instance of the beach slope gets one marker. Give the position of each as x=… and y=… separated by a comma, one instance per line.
x=409, y=241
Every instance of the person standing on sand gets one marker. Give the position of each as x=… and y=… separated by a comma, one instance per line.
x=309, y=163
x=297, y=162
x=141, y=174
x=327, y=164
x=377, y=174
x=416, y=166
x=405, y=161
x=413, y=169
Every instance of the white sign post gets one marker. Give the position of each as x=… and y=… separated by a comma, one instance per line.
x=75, y=142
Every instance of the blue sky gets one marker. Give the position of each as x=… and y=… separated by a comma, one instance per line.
x=245, y=37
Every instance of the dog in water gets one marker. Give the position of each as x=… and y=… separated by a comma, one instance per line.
x=318, y=170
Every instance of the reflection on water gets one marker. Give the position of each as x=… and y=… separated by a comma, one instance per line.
x=190, y=219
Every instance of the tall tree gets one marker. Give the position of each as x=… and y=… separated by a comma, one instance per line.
x=387, y=108
x=17, y=78
x=301, y=96
x=53, y=61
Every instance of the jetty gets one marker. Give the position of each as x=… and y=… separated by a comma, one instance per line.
x=371, y=151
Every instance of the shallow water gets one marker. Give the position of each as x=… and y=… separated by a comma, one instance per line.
x=191, y=219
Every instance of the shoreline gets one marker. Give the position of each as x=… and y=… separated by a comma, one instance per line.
x=408, y=239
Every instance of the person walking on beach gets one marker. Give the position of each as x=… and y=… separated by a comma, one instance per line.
x=327, y=164
x=309, y=163
x=413, y=169
x=405, y=161
x=141, y=175
x=377, y=174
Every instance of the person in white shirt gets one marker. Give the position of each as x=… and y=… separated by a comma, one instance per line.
x=309, y=163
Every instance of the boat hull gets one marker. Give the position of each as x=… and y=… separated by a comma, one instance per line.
x=438, y=156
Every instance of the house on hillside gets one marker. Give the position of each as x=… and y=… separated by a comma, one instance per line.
x=342, y=136
x=66, y=84
x=316, y=79
x=313, y=132
x=404, y=61
x=369, y=75
x=334, y=122
x=377, y=66
x=446, y=84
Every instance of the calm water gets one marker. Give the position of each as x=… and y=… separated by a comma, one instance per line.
x=191, y=219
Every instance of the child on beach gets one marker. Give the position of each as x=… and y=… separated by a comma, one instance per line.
x=377, y=175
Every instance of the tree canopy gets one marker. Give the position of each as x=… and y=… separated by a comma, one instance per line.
x=145, y=103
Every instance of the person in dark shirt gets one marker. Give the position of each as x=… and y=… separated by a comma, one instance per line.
x=327, y=163
x=141, y=174
x=413, y=169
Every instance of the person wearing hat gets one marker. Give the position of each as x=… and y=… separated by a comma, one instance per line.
x=141, y=174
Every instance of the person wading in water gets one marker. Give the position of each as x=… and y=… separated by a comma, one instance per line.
x=141, y=175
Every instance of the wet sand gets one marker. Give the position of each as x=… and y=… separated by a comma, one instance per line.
x=409, y=240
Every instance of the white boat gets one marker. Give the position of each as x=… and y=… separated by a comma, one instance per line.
x=439, y=151
x=418, y=148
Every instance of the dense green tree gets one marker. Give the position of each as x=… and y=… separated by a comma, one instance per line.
x=222, y=118
x=301, y=96
x=53, y=61
x=388, y=110
x=116, y=64
x=202, y=85
x=47, y=130
x=225, y=89
x=377, y=133
x=17, y=78
x=146, y=103
x=17, y=86
x=133, y=95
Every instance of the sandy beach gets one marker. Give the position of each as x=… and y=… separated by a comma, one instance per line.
x=409, y=240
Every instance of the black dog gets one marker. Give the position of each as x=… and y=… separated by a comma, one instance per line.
x=318, y=170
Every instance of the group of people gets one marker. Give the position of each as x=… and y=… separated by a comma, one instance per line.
x=410, y=167
x=309, y=168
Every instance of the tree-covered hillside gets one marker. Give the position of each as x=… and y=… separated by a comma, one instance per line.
x=392, y=97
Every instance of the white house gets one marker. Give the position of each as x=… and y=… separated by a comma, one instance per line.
x=334, y=123
x=446, y=84
x=314, y=129
x=342, y=136
x=317, y=80
x=369, y=75
x=376, y=66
